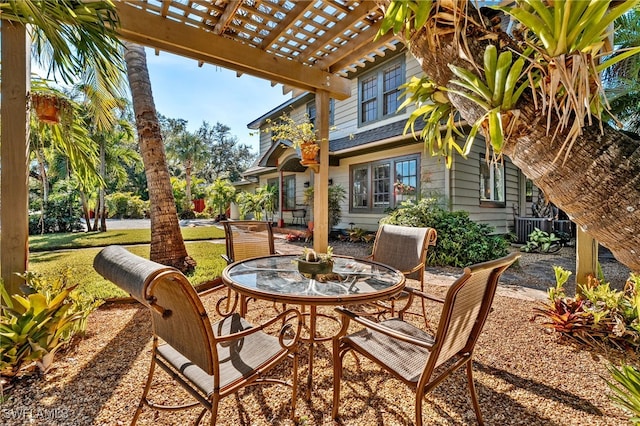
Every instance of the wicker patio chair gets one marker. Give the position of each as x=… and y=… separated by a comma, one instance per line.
x=404, y=248
x=210, y=361
x=247, y=238
x=411, y=354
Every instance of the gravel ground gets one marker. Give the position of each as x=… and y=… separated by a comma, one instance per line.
x=524, y=375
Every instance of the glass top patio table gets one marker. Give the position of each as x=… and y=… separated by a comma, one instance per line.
x=276, y=278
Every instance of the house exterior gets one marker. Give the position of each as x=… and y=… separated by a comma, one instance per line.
x=378, y=166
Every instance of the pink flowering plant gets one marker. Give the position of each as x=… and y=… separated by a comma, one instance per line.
x=404, y=188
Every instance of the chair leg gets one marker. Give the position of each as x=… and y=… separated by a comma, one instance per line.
x=145, y=392
x=214, y=409
x=337, y=377
x=472, y=391
x=294, y=386
x=419, y=399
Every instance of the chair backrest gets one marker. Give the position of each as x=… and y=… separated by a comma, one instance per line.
x=176, y=310
x=248, y=238
x=466, y=307
x=403, y=247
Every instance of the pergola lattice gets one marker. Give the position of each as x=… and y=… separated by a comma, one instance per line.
x=309, y=46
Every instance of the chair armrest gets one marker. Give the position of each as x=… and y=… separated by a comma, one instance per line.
x=423, y=295
x=284, y=316
x=416, y=268
x=380, y=328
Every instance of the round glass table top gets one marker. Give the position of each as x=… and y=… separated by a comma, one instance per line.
x=277, y=278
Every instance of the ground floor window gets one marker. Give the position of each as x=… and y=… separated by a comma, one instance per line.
x=275, y=182
x=289, y=192
x=383, y=184
x=491, y=182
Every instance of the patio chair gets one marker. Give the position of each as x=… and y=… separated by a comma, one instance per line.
x=247, y=238
x=411, y=354
x=404, y=248
x=210, y=361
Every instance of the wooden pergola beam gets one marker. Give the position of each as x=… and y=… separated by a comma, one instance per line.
x=157, y=32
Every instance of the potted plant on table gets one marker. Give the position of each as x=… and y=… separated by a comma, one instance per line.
x=301, y=135
x=313, y=263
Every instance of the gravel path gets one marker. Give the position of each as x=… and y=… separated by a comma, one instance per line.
x=524, y=375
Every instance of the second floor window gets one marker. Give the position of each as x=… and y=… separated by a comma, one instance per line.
x=311, y=111
x=379, y=92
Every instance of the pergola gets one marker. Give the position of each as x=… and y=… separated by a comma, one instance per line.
x=308, y=46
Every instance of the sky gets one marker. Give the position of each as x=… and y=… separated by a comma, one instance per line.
x=181, y=89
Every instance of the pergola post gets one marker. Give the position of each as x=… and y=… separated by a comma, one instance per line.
x=321, y=179
x=14, y=153
x=586, y=256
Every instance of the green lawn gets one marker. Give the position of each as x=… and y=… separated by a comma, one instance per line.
x=53, y=253
x=38, y=243
x=206, y=254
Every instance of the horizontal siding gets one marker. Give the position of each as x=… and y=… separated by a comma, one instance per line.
x=466, y=191
x=346, y=112
x=458, y=187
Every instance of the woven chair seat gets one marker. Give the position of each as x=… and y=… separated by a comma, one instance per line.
x=238, y=359
x=404, y=359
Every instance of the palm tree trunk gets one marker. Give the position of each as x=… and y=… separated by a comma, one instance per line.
x=101, y=210
x=167, y=245
x=85, y=211
x=599, y=184
x=188, y=168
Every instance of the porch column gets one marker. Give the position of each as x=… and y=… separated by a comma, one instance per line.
x=14, y=153
x=321, y=179
x=280, y=199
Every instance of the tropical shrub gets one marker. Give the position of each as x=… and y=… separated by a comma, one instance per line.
x=126, y=205
x=337, y=195
x=222, y=193
x=597, y=314
x=60, y=213
x=541, y=241
x=43, y=321
x=461, y=242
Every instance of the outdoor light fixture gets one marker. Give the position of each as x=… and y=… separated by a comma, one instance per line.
x=306, y=184
x=330, y=181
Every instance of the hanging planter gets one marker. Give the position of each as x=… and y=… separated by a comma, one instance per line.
x=301, y=135
x=51, y=109
x=309, y=153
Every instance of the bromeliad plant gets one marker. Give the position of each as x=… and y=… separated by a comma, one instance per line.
x=627, y=391
x=597, y=314
x=570, y=41
x=434, y=109
x=34, y=327
x=504, y=82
